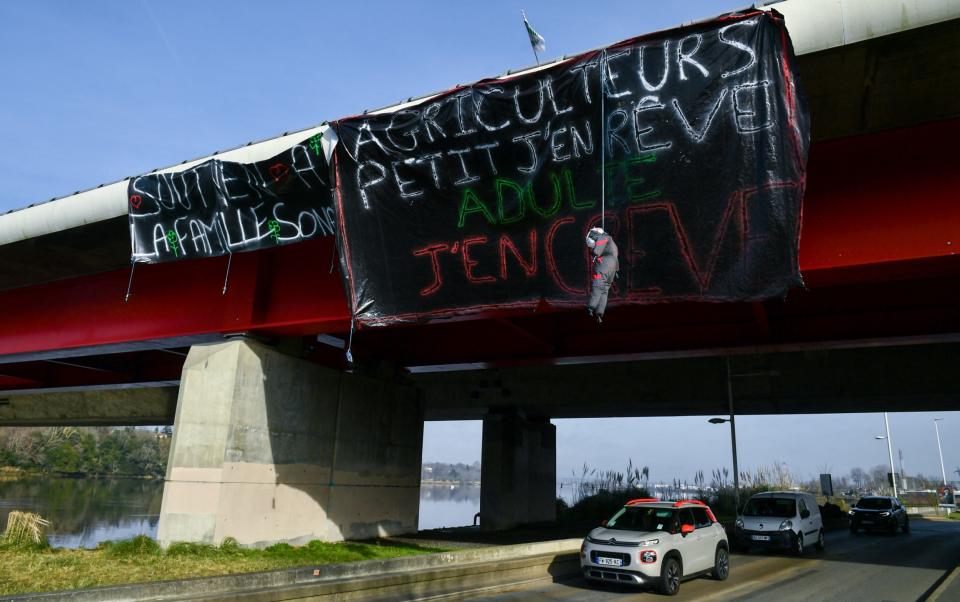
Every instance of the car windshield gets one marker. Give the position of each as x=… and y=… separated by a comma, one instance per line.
x=874, y=503
x=777, y=507
x=631, y=518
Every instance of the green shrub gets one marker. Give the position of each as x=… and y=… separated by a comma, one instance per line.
x=723, y=501
x=281, y=549
x=834, y=512
x=186, y=548
x=141, y=545
x=230, y=547
x=912, y=499
x=600, y=506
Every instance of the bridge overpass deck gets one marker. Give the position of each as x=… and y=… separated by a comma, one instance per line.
x=878, y=254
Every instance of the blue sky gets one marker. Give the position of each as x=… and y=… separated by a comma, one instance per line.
x=93, y=92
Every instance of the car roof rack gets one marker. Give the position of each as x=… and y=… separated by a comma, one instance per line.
x=680, y=503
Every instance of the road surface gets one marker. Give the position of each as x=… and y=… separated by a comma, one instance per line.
x=861, y=567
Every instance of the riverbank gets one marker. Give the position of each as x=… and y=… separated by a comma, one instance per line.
x=141, y=560
x=452, y=483
x=10, y=473
x=13, y=472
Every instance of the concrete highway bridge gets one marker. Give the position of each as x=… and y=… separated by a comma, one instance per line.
x=276, y=440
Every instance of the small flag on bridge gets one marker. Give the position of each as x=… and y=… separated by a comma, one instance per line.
x=536, y=40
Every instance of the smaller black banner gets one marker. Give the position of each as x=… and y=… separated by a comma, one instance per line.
x=220, y=207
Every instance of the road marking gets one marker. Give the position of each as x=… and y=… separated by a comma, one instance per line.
x=943, y=586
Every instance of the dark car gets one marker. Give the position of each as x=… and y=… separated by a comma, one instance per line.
x=879, y=512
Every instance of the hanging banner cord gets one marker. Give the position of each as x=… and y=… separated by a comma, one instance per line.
x=133, y=266
x=603, y=145
x=350, y=342
x=226, y=277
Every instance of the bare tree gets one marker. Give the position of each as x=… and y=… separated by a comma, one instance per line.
x=878, y=477
x=859, y=477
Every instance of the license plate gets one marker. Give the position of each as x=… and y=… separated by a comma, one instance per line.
x=610, y=561
x=760, y=537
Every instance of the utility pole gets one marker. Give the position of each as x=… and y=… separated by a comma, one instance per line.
x=940, y=449
x=893, y=471
x=733, y=440
x=903, y=473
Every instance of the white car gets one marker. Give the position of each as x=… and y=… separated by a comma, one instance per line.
x=654, y=543
x=780, y=519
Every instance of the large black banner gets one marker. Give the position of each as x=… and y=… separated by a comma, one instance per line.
x=220, y=207
x=692, y=156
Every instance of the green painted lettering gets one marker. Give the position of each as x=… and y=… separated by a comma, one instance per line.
x=557, y=198
x=519, y=196
x=635, y=183
x=471, y=203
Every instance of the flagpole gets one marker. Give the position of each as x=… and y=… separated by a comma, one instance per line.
x=526, y=26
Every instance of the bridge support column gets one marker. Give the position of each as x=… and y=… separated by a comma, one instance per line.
x=518, y=477
x=269, y=448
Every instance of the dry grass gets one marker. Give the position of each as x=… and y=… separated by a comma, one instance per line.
x=140, y=560
x=25, y=529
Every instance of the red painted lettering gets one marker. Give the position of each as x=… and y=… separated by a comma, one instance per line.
x=468, y=263
x=552, y=259
x=432, y=251
x=529, y=267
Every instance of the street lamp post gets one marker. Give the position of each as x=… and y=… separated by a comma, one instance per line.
x=733, y=438
x=733, y=425
x=943, y=472
x=893, y=471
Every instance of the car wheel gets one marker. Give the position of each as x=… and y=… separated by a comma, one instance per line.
x=670, y=577
x=721, y=564
x=819, y=545
x=798, y=544
x=906, y=525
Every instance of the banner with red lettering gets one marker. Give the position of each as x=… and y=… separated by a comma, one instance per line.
x=689, y=146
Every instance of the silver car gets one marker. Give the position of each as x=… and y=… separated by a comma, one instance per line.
x=780, y=519
x=657, y=543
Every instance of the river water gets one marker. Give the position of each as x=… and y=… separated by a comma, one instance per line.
x=85, y=512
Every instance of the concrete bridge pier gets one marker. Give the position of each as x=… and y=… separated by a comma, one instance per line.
x=270, y=448
x=518, y=471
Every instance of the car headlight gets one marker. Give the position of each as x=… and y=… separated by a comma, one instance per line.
x=648, y=543
x=851, y=512
x=739, y=523
x=884, y=514
x=786, y=525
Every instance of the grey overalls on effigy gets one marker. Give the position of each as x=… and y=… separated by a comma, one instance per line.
x=605, y=265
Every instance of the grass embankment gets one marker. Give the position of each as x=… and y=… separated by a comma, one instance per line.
x=35, y=568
